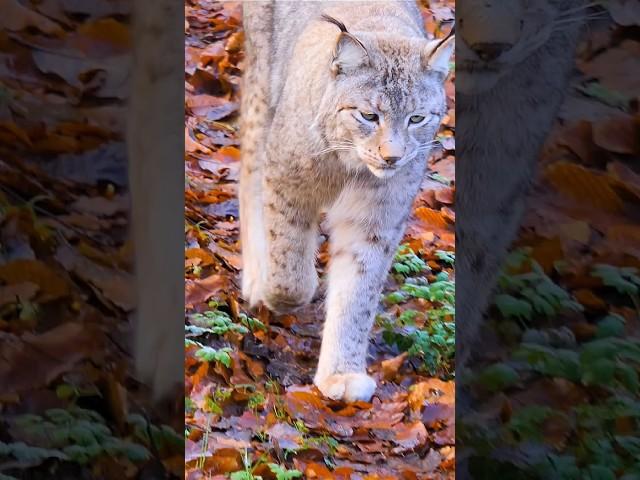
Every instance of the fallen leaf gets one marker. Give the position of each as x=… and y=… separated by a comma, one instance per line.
x=48, y=355
x=584, y=185
x=390, y=367
x=52, y=286
x=619, y=134
x=19, y=292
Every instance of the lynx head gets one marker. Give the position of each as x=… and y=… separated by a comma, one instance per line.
x=386, y=98
x=497, y=35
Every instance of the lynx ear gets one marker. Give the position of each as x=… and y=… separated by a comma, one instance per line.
x=349, y=54
x=438, y=53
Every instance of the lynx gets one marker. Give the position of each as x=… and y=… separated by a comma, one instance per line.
x=340, y=105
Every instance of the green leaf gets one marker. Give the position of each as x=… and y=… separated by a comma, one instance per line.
x=615, y=277
x=498, y=376
x=135, y=452
x=283, y=473
x=610, y=326
x=527, y=422
x=252, y=323
x=513, y=307
x=210, y=354
x=395, y=297
x=628, y=376
x=244, y=475
x=600, y=472
x=599, y=372
x=447, y=257
x=556, y=362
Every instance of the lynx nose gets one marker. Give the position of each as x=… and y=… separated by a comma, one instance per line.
x=391, y=152
x=391, y=160
x=490, y=51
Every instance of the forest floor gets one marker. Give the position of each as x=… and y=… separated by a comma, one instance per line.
x=251, y=410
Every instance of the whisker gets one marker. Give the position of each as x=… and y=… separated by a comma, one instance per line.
x=585, y=18
x=580, y=8
x=344, y=148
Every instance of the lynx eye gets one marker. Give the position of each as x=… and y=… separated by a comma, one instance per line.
x=369, y=117
x=416, y=119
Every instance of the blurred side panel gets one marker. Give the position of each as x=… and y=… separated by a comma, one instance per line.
x=548, y=253
x=71, y=402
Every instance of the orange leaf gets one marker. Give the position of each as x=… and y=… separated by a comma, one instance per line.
x=431, y=217
x=318, y=471
x=52, y=285
x=390, y=367
x=584, y=185
x=200, y=253
x=547, y=252
x=191, y=146
x=590, y=300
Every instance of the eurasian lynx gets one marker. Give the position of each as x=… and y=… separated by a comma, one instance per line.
x=341, y=102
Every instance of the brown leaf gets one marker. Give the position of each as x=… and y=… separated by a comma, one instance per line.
x=584, y=185
x=409, y=436
x=590, y=300
x=16, y=17
x=52, y=286
x=199, y=291
x=445, y=195
x=191, y=146
x=209, y=106
x=390, y=367
x=435, y=414
x=115, y=285
x=619, y=134
x=583, y=331
x=47, y=356
x=446, y=436
x=286, y=436
x=547, y=252
x=22, y=292
x=104, y=36
x=614, y=67
x=578, y=137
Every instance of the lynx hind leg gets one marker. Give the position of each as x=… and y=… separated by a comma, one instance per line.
x=255, y=120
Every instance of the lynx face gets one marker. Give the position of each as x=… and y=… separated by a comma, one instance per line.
x=388, y=97
x=497, y=35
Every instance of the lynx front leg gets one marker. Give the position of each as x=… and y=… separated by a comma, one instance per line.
x=291, y=237
x=364, y=234
x=252, y=233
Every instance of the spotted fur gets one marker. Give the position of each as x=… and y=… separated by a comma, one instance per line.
x=307, y=147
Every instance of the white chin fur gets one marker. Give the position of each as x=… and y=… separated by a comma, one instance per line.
x=382, y=172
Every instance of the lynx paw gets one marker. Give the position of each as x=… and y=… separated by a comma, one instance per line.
x=285, y=298
x=253, y=277
x=252, y=287
x=350, y=387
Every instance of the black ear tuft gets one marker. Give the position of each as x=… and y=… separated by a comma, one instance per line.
x=335, y=21
x=350, y=53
